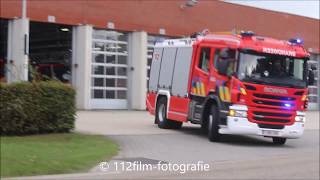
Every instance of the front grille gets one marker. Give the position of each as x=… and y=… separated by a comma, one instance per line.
x=264, y=119
x=275, y=117
x=265, y=96
x=271, y=103
x=271, y=126
x=270, y=114
x=272, y=109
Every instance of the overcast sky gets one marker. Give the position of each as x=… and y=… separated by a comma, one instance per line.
x=308, y=8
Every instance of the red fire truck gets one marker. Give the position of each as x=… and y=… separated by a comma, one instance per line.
x=231, y=84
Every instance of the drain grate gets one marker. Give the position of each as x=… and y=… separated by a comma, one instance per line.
x=141, y=160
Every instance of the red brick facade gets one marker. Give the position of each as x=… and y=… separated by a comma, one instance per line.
x=151, y=15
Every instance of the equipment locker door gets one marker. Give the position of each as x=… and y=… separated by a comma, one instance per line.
x=179, y=101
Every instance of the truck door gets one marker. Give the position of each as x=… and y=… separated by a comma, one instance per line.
x=200, y=78
x=220, y=84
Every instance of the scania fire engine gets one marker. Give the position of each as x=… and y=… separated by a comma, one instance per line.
x=231, y=84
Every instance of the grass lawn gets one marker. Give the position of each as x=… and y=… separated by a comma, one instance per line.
x=53, y=153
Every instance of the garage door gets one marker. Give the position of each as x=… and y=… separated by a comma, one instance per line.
x=109, y=70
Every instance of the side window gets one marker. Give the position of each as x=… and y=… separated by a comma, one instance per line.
x=226, y=54
x=204, y=61
x=216, y=58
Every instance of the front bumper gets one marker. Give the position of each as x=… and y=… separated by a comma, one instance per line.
x=239, y=125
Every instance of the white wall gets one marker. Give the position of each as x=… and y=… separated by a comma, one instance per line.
x=81, y=64
x=137, y=70
x=18, y=47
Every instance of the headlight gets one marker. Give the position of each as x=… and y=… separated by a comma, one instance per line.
x=300, y=119
x=237, y=113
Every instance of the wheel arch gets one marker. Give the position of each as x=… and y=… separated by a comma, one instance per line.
x=210, y=100
x=166, y=94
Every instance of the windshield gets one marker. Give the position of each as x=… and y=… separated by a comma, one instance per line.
x=273, y=70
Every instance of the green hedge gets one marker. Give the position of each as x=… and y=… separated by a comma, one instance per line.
x=36, y=108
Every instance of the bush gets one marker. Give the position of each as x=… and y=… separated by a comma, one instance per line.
x=36, y=108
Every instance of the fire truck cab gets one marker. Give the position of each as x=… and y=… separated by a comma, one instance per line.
x=231, y=84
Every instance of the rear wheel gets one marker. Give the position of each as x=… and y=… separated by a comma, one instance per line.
x=213, y=125
x=279, y=140
x=161, y=116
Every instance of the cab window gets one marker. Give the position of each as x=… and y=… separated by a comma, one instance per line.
x=216, y=58
x=204, y=61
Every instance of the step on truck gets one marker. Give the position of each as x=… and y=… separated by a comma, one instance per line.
x=231, y=84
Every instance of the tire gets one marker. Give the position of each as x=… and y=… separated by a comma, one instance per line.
x=204, y=126
x=161, y=116
x=279, y=140
x=213, y=125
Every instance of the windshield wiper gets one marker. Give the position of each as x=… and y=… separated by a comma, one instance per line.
x=258, y=81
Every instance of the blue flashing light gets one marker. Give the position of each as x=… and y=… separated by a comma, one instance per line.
x=297, y=41
x=246, y=33
x=287, y=105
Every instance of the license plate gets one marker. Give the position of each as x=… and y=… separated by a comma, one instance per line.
x=270, y=133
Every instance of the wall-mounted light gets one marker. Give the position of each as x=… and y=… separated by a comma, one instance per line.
x=51, y=19
x=189, y=3
x=65, y=29
x=110, y=25
x=162, y=31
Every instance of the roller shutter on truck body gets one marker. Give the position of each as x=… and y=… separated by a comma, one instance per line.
x=155, y=68
x=167, y=66
x=170, y=69
x=181, y=71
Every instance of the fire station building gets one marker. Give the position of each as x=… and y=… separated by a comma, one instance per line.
x=103, y=48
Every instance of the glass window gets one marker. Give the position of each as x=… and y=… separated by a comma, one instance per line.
x=112, y=47
x=122, y=59
x=111, y=71
x=111, y=59
x=122, y=94
x=110, y=94
x=98, y=46
x=122, y=48
x=110, y=82
x=99, y=70
x=272, y=69
x=99, y=58
x=122, y=71
x=109, y=48
x=204, y=59
x=97, y=93
x=216, y=58
x=98, y=82
x=122, y=37
x=121, y=82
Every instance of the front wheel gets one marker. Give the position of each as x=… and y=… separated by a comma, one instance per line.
x=213, y=125
x=279, y=140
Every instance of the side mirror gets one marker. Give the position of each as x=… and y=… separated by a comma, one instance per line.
x=310, y=78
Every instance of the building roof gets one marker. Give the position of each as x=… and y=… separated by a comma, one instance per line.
x=151, y=16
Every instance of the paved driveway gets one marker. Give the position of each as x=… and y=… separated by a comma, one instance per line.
x=139, y=123
x=237, y=157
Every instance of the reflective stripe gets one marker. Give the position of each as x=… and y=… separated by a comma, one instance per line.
x=227, y=94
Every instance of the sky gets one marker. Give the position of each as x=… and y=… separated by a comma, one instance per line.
x=308, y=8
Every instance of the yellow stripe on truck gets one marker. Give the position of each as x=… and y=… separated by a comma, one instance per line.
x=227, y=94
x=221, y=93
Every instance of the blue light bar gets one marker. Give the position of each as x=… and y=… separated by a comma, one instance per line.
x=246, y=33
x=287, y=105
x=296, y=41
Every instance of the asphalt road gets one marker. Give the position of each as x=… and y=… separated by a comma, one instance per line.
x=236, y=157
